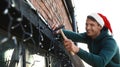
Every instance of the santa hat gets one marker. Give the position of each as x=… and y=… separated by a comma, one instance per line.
x=102, y=20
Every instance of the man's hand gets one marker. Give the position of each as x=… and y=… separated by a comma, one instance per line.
x=70, y=46
x=54, y=27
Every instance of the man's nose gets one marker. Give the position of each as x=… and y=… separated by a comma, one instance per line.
x=88, y=27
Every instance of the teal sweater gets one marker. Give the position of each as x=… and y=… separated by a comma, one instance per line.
x=103, y=51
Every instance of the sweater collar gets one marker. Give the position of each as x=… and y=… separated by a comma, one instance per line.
x=102, y=35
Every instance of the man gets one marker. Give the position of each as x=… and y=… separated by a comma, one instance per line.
x=103, y=50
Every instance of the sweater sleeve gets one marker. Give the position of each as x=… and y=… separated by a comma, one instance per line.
x=76, y=37
x=103, y=58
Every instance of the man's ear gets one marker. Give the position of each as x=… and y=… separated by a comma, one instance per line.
x=100, y=27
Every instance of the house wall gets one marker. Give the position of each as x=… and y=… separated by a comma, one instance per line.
x=53, y=11
x=25, y=42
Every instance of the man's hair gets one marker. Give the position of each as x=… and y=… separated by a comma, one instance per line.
x=90, y=17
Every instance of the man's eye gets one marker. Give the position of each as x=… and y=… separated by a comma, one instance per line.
x=91, y=24
x=86, y=24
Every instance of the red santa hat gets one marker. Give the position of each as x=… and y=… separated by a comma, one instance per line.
x=102, y=20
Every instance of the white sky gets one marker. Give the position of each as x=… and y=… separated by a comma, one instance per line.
x=109, y=8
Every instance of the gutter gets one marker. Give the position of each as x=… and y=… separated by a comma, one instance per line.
x=69, y=6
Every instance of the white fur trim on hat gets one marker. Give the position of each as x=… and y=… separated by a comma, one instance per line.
x=98, y=18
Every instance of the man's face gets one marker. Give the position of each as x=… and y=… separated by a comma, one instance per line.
x=92, y=28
